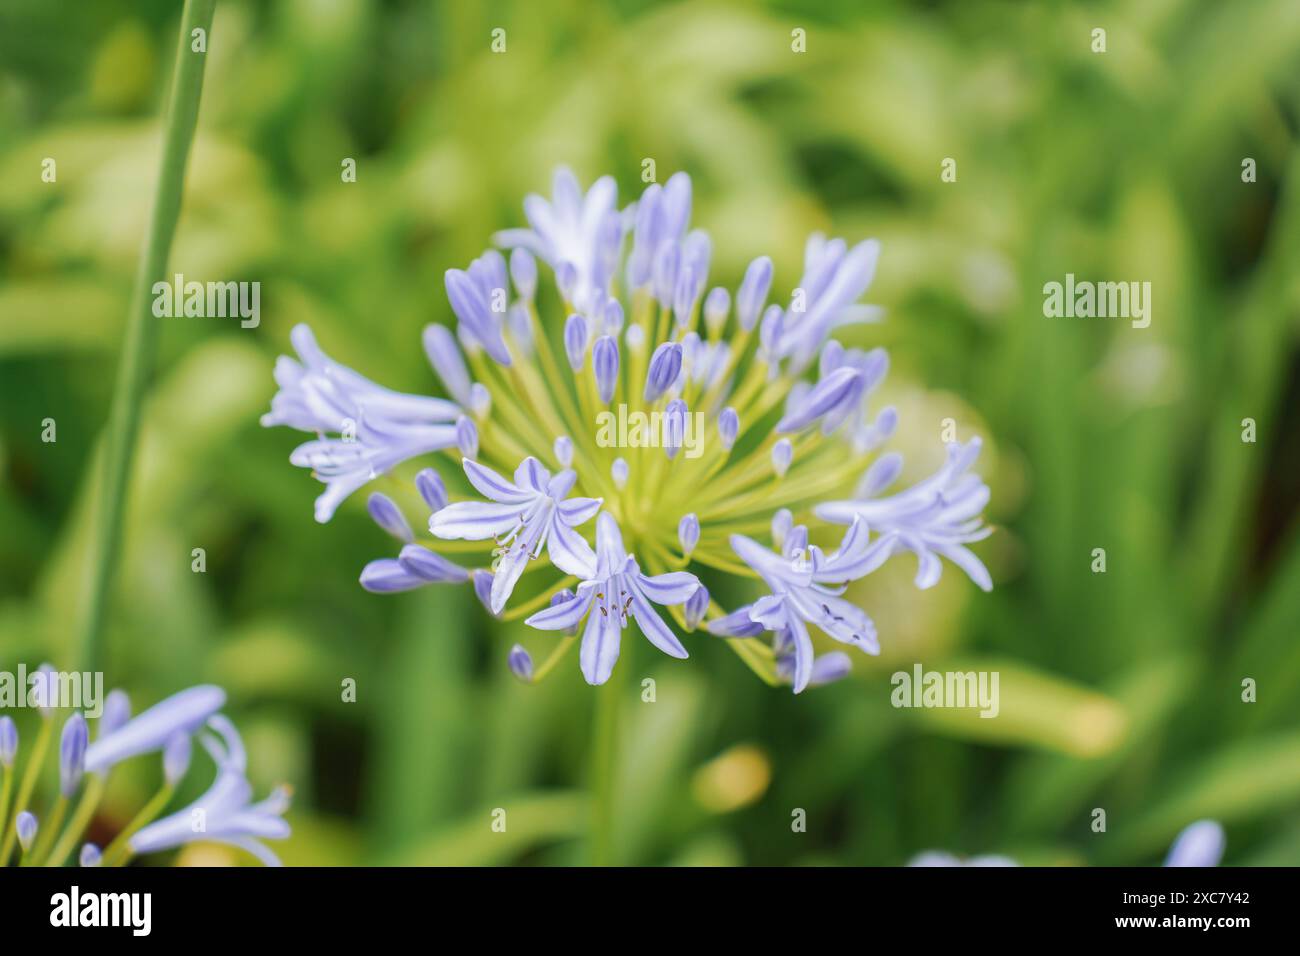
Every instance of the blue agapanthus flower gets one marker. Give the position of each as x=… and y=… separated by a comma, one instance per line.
x=224, y=814
x=688, y=421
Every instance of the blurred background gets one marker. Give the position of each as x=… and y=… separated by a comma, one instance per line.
x=1119, y=690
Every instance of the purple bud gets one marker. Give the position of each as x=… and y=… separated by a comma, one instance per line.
x=469, y=302
x=26, y=826
x=753, y=292
x=575, y=340
x=483, y=587
x=618, y=471
x=523, y=270
x=832, y=357
x=90, y=855
x=385, y=513
x=566, y=277
x=176, y=758
x=521, y=663
x=8, y=742
x=444, y=355
x=521, y=327
x=829, y=668
x=688, y=533
x=674, y=426
x=72, y=754
x=424, y=564
x=466, y=437
x=431, y=488
x=613, y=317
x=564, y=596
x=770, y=331
x=880, y=475
x=686, y=293
x=728, y=427
x=604, y=361
x=480, y=399
x=842, y=386
x=635, y=338
x=675, y=210
x=716, y=305
x=43, y=689
x=667, y=262
x=665, y=365
x=782, y=455
x=696, y=606
x=782, y=522
x=117, y=711
x=564, y=451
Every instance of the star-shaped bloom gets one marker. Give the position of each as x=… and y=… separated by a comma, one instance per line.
x=226, y=811
x=523, y=516
x=806, y=588
x=937, y=516
x=616, y=591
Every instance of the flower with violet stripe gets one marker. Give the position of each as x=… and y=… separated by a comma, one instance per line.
x=749, y=414
x=616, y=590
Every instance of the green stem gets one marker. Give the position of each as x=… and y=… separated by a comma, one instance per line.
x=6, y=791
x=141, y=335
x=119, y=851
x=49, y=830
x=604, y=767
x=34, y=761
x=80, y=820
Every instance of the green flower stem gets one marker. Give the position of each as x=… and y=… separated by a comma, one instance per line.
x=34, y=761
x=119, y=851
x=6, y=792
x=604, y=766
x=141, y=336
x=81, y=817
x=49, y=830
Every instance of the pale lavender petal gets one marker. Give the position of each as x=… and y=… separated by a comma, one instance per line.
x=491, y=485
x=389, y=576
x=568, y=551
x=578, y=511
x=600, y=645
x=673, y=587
x=728, y=427
x=653, y=627
x=432, y=489
x=431, y=567
x=149, y=732
x=474, y=520
x=565, y=615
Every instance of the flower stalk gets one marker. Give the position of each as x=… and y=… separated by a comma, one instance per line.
x=141, y=335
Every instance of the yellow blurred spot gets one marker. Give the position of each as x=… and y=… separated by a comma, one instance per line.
x=735, y=778
x=206, y=854
x=1100, y=728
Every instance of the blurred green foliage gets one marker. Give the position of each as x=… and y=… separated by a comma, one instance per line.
x=1119, y=690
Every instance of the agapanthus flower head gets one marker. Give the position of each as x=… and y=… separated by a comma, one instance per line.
x=167, y=727
x=690, y=418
